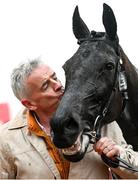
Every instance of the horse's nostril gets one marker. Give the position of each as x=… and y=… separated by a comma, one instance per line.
x=71, y=124
x=64, y=131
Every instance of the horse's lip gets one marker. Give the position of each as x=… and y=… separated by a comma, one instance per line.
x=60, y=95
x=78, y=147
x=74, y=148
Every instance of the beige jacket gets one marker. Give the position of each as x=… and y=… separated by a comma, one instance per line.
x=24, y=155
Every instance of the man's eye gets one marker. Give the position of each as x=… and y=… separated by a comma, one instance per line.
x=55, y=78
x=45, y=87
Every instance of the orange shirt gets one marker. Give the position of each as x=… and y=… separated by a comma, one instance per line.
x=62, y=164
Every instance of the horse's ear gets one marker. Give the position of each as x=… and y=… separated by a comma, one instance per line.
x=80, y=29
x=109, y=22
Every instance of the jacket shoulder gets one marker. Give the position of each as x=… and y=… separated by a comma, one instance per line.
x=10, y=129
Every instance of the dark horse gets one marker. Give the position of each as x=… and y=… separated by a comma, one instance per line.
x=101, y=85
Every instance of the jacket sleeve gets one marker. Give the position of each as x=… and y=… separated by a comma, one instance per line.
x=7, y=168
x=128, y=155
x=131, y=157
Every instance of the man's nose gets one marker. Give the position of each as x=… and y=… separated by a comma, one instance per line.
x=56, y=84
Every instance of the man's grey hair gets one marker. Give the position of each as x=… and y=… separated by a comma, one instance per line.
x=19, y=76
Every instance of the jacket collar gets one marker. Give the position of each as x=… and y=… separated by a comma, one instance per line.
x=38, y=143
x=19, y=121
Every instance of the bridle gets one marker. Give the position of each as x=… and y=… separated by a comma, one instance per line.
x=120, y=83
x=95, y=133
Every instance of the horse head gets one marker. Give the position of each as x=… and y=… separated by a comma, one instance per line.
x=91, y=89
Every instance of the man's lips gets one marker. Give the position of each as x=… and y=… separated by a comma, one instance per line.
x=61, y=93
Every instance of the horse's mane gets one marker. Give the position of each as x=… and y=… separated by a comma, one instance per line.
x=125, y=59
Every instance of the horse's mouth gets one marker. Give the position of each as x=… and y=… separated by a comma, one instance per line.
x=75, y=148
x=77, y=151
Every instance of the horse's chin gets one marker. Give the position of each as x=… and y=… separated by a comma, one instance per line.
x=77, y=151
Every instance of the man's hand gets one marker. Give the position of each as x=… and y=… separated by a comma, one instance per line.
x=108, y=147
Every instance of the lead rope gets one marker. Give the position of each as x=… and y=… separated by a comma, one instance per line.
x=95, y=135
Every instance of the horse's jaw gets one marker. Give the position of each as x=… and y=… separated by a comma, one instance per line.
x=77, y=151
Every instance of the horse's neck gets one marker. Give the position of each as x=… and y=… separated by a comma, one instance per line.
x=132, y=82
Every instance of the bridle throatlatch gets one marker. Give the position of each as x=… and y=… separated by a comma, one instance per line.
x=95, y=134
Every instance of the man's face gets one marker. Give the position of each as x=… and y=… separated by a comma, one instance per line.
x=45, y=90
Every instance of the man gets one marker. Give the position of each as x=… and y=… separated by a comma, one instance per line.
x=26, y=148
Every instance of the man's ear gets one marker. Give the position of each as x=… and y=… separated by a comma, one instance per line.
x=28, y=104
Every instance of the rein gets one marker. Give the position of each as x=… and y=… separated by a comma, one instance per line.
x=95, y=135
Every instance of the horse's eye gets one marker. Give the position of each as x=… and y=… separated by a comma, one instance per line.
x=109, y=66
